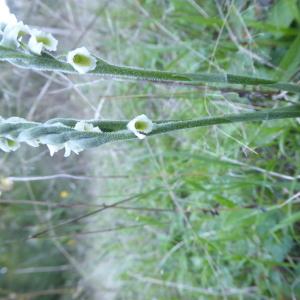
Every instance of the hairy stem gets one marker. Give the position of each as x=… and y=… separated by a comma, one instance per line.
x=54, y=132
x=49, y=63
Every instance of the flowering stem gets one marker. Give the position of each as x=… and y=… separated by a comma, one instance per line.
x=59, y=131
x=47, y=62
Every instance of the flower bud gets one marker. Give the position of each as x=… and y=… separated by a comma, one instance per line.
x=6, y=184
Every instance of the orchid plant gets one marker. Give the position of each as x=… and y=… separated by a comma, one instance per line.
x=28, y=47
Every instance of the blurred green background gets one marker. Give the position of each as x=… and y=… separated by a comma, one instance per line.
x=210, y=213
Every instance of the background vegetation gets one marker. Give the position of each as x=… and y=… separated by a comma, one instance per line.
x=209, y=213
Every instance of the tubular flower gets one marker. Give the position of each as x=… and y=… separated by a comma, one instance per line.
x=81, y=60
x=140, y=126
x=68, y=146
x=73, y=146
x=13, y=33
x=40, y=40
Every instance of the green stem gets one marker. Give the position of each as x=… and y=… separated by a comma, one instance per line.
x=264, y=115
x=58, y=133
x=49, y=63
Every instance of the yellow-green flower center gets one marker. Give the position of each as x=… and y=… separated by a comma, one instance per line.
x=21, y=34
x=82, y=60
x=43, y=40
x=140, y=125
x=11, y=143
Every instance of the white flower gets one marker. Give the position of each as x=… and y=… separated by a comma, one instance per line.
x=81, y=60
x=85, y=126
x=5, y=16
x=69, y=147
x=13, y=33
x=72, y=146
x=7, y=19
x=53, y=148
x=8, y=145
x=140, y=126
x=40, y=40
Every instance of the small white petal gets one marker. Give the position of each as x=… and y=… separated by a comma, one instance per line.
x=67, y=150
x=6, y=184
x=80, y=126
x=141, y=136
x=40, y=40
x=13, y=33
x=55, y=148
x=140, y=126
x=81, y=60
x=87, y=127
x=6, y=17
x=72, y=146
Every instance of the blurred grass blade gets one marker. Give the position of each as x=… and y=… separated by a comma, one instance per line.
x=290, y=62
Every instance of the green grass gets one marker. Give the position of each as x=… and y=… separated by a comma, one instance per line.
x=210, y=213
